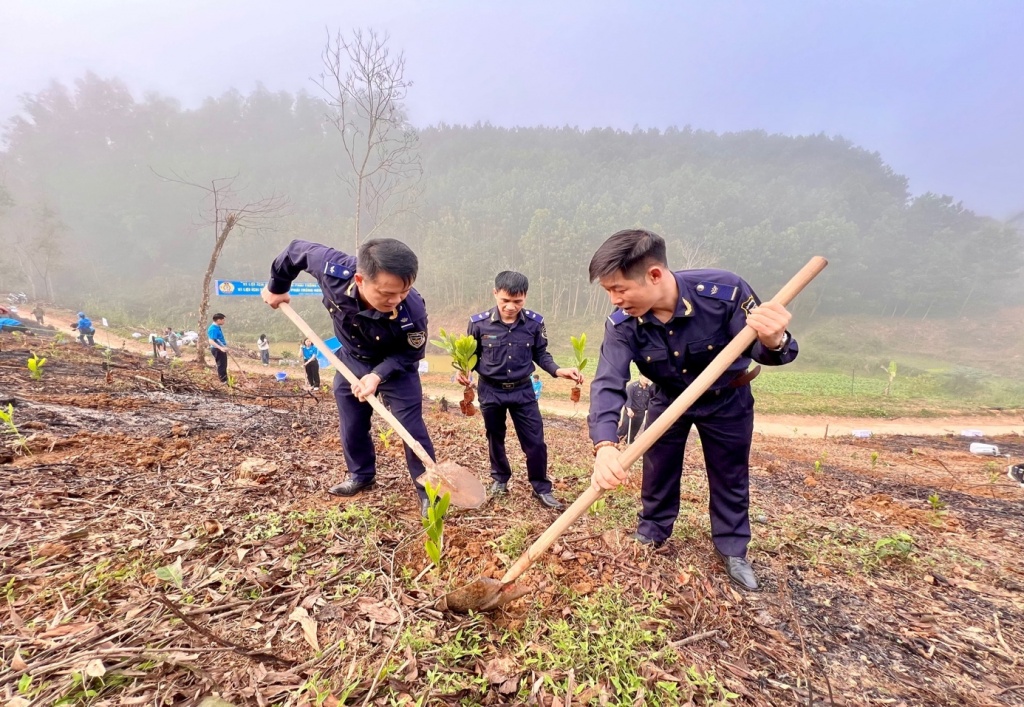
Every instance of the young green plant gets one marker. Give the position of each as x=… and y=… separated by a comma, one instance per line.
x=35, y=366
x=434, y=523
x=891, y=371
x=578, y=351
x=462, y=349
x=7, y=420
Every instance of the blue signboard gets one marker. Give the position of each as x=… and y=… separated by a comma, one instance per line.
x=252, y=288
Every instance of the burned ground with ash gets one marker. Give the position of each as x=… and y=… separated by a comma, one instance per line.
x=165, y=538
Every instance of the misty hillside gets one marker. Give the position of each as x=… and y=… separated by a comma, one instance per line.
x=87, y=209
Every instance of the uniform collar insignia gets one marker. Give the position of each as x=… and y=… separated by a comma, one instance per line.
x=684, y=307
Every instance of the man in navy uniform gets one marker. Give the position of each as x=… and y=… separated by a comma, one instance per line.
x=381, y=322
x=509, y=341
x=671, y=325
x=634, y=414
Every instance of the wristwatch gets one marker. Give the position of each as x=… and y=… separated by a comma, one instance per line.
x=785, y=340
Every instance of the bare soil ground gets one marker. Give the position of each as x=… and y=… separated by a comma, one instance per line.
x=144, y=561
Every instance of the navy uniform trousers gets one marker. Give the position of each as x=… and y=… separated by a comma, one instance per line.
x=521, y=405
x=403, y=394
x=725, y=425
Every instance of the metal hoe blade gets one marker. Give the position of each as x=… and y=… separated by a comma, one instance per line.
x=464, y=487
x=482, y=594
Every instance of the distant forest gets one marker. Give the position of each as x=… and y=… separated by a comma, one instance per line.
x=83, y=208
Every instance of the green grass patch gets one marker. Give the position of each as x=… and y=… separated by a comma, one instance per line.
x=607, y=637
x=855, y=394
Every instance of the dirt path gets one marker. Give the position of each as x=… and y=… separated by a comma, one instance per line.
x=769, y=425
x=808, y=426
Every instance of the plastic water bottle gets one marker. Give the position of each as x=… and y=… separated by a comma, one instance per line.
x=982, y=448
x=861, y=434
x=972, y=433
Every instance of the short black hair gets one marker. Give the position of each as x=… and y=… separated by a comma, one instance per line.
x=387, y=255
x=632, y=251
x=512, y=282
x=218, y=315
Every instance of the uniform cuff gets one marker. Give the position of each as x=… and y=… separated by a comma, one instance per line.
x=605, y=433
x=278, y=286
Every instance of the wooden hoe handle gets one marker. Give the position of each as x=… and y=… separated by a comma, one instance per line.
x=700, y=385
x=376, y=404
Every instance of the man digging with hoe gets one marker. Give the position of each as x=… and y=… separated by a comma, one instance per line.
x=693, y=333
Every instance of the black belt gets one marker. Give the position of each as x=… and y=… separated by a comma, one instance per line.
x=362, y=359
x=503, y=385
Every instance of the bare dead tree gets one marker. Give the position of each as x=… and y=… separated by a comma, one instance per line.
x=693, y=253
x=365, y=85
x=35, y=239
x=225, y=212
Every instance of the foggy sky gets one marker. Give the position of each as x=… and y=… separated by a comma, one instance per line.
x=935, y=87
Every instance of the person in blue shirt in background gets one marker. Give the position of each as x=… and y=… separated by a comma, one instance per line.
x=671, y=325
x=509, y=341
x=219, y=346
x=537, y=386
x=310, y=363
x=85, y=330
x=381, y=322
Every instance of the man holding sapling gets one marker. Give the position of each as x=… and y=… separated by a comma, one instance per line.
x=510, y=340
x=672, y=325
x=381, y=322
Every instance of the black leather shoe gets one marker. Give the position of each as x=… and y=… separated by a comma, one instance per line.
x=644, y=540
x=424, y=507
x=350, y=487
x=739, y=571
x=499, y=488
x=548, y=500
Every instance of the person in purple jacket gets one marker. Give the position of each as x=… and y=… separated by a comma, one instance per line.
x=671, y=325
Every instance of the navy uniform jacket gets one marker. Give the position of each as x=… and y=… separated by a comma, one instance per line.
x=712, y=309
x=638, y=397
x=507, y=352
x=389, y=342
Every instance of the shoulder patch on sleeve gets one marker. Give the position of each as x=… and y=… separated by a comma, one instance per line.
x=749, y=304
x=716, y=290
x=338, y=270
x=481, y=317
x=617, y=317
x=534, y=316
